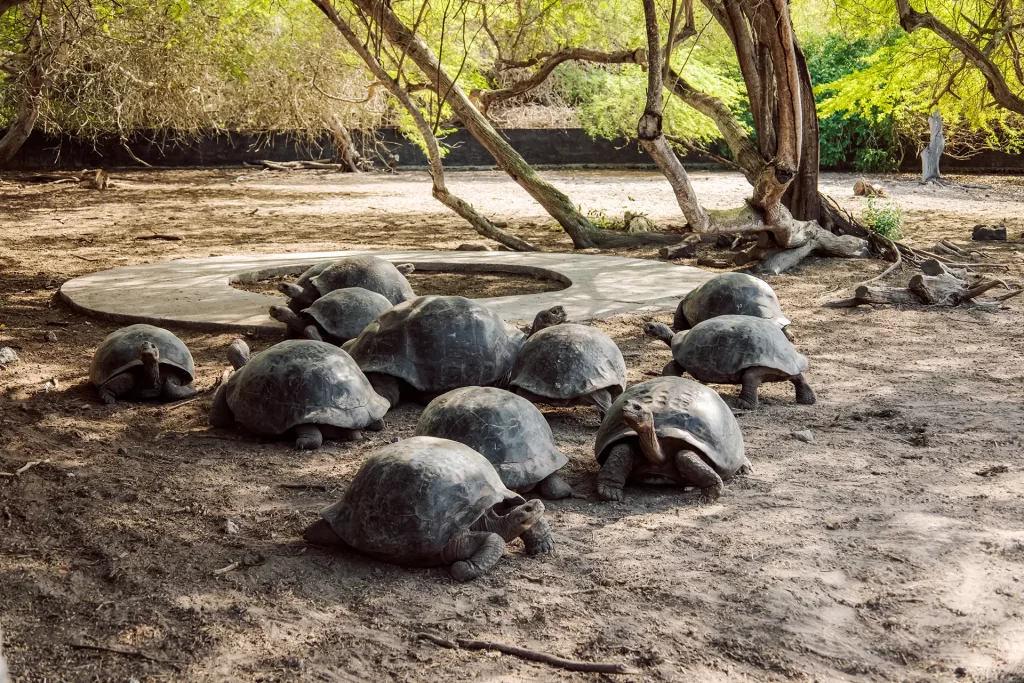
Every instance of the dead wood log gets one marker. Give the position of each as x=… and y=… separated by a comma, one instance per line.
x=782, y=260
x=531, y=655
x=989, y=233
x=936, y=268
x=677, y=251
x=865, y=295
x=301, y=165
x=948, y=290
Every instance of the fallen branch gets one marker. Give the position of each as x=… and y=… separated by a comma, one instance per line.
x=121, y=651
x=85, y=258
x=885, y=273
x=301, y=165
x=23, y=469
x=158, y=236
x=224, y=570
x=310, y=487
x=531, y=655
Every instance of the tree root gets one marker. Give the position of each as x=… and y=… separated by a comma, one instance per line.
x=531, y=655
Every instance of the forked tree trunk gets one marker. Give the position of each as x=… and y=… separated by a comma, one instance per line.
x=555, y=202
x=440, y=191
x=344, y=150
x=33, y=81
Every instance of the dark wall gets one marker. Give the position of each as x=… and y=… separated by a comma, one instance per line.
x=542, y=147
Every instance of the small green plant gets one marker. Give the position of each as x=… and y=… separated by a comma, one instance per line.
x=885, y=218
x=602, y=220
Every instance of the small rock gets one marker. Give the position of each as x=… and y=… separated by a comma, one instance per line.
x=7, y=356
x=993, y=471
x=960, y=672
x=121, y=450
x=229, y=527
x=50, y=336
x=51, y=385
x=472, y=247
x=989, y=233
x=805, y=435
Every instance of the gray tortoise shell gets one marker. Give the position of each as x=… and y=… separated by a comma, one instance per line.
x=344, y=313
x=729, y=294
x=683, y=409
x=369, y=272
x=410, y=498
x=506, y=429
x=439, y=343
x=720, y=349
x=568, y=361
x=120, y=352
x=300, y=382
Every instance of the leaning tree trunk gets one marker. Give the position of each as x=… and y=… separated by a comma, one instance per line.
x=440, y=190
x=33, y=81
x=555, y=202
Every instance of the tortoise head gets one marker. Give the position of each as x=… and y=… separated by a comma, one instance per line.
x=549, y=317
x=149, y=354
x=238, y=353
x=290, y=289
x=637, y=415
x=659, y=331
x=405, y=268
x=320, y=532
x=517, y=520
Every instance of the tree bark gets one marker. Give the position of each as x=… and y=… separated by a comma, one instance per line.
x=440, y=191
x=931, y=154
x=32, y=83
x=344, y=150
x=555, y=202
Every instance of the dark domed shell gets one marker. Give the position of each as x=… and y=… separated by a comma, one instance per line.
x=720, y=349
x=301, y=382
x=439, y=343
x=307, y=286
x=344, y=313
x=410, y=498
x=729, y=294
x=368, y=272
x=683, y=409
x=120, y=351
x=568, y=361
x=506, y=429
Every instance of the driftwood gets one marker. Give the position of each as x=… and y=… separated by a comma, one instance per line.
x=863, y=188
x=782, y=260
x=677, y=251
x=935, y=268
x=989, y=233
x=531, y=655
x=942, y=289
x=158, y=236
x=301, y=165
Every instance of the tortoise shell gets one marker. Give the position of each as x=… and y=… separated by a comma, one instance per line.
x=506, y=429
x=729, y=294
x=119, y=352
x=439, y=343
x=368, y=272
x=344, y=313
x=410, y=498
x=300, y=382
x=309, y=291
x=569, y=360
x=719, y=350
x=685, y=410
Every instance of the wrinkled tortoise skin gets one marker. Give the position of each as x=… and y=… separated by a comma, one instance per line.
x=368, y=272
x=302, y=382
x=729, y=294
x=410, y=498
x=344, y=313
x=307, y=286
x=506, y=429
x=719, y=350
x=439, y=343
x=568, y=361
x=119, y=352
x=683, y=409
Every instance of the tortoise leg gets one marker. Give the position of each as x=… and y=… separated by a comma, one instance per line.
x=332, y=433
x=377, y=426
x=386, y=386
x=321, y=533
x=473, y=554
x=538, y=538
x=308, y=437
x=220, y=413
x=116, y=387
x=310, y=332
x=746, y=467
x=804, y=393
x=174, y=390
x=673, y=369
x=695, y=472
x=615, y=471
x=752, y=379
x=602, y=398
x=553, y=487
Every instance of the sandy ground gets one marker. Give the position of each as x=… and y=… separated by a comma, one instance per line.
x=877, y=552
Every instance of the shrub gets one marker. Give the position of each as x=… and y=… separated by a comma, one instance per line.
x=885, y=218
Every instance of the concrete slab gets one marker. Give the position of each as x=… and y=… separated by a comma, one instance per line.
x=197, y=293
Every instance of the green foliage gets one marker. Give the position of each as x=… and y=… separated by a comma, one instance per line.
x=885, y=218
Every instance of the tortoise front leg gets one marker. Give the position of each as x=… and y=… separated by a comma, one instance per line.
x=386, y=386
x=602, y=398
x=746, y=467
x=553, y=487
x=804, y=393
x=310, y=332
x=116, y=387
x=695, y=472
x=174, y=390
x=308, y=437
x=615, y=471
x=220, y=412
x=673, y=369
x=538, y=538
x=473, y=554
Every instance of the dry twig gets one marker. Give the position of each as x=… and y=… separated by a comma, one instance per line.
x=531, y=655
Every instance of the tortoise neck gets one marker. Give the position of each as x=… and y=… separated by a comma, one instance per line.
x=151, y=373
x=648, y=437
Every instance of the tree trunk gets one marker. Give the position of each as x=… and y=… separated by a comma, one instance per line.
x=802, y=198
x=344, y=151
x=933, y=152
x=32, y=84
x=440, y=191
x=556, y=203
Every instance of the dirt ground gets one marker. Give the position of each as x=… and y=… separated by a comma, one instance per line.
x=891, y=548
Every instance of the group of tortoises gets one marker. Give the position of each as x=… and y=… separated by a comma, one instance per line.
x=361, y=342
